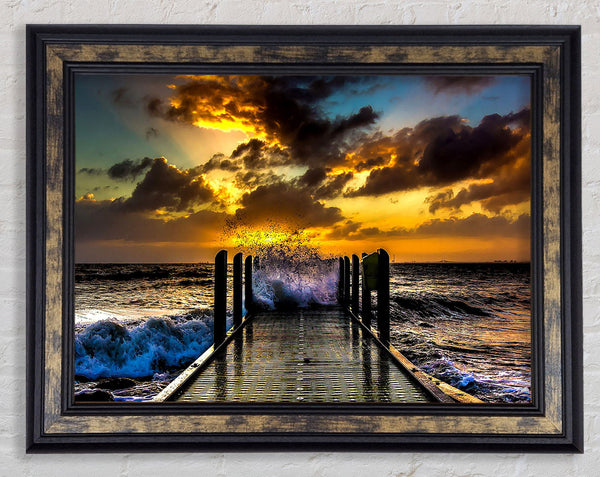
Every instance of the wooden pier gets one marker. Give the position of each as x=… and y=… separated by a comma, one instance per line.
x=326, y=354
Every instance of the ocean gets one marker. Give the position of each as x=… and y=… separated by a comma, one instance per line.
x=138, y=325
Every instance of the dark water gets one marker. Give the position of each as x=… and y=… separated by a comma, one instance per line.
x=467, y=324
x=141, y=321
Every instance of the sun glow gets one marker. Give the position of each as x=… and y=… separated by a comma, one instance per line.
x=269, y=238
x=225, y=124
x=274, y=238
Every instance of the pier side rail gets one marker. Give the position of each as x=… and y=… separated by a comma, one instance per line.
x=348, y=297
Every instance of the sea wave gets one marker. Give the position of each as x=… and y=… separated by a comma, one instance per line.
x=463, y=362
x=314, y=285
x=509, y=389
x=403, y=305
x=141, y=272
x=294, y=279
x=109, y=348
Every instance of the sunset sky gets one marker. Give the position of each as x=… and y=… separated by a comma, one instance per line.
x=174, y=168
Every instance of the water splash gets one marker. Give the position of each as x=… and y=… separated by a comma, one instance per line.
x=109, y=348
x=290, y=271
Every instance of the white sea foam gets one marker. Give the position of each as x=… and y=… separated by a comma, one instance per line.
x=290, y=271
x=282, y=282
x=127, y=315
x=109, y=348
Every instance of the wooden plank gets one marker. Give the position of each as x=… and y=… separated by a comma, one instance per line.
x=304, y=356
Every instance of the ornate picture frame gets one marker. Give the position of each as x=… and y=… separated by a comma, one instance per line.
x=550, y=55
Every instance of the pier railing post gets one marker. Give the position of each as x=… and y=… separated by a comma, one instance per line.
x=248, y=292
x=220, y=307
x=383, y=296
x=346, y=281
x=237, y=289
x=341, y=282
x=355, y=266
x=366, y=301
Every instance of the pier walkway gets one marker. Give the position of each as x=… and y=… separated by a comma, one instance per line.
x=315, y=356
x=327, y=354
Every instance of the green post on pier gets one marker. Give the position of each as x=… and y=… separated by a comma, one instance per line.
x=237, y=289
x=220, y=311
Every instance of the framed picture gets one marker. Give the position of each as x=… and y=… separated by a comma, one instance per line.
x=269, y=238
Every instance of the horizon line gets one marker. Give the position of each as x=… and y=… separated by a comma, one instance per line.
x=332, y=258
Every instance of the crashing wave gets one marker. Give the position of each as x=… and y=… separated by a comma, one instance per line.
x=312, y=282
x=109, y=348
x=290, y=272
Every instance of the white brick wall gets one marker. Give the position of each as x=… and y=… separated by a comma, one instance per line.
x=14, y=14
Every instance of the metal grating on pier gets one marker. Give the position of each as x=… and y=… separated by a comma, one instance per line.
x=312, y=356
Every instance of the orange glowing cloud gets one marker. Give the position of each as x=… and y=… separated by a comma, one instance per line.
x=215, y=102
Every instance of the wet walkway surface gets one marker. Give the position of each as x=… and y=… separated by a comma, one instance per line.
x=312, y=356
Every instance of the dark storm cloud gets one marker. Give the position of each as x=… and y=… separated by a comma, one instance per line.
x=444, y=150
x=165, y=186
x=321, y=185
x=92, y=171
x=317, y=141
x=313, y=177
x=251, y=148
x=333, y=186
x=458, y=84
x=511, y=185
x=497, y=202
x=475, y=225
x=132, y=219
x=387, y=179
x=370, y=163
x=256, y=154
x=493, y=196
x=443, y=199
x=130, y=226
x=217, y=161
x=104, y=188
x=128, y=169
x=284, y=109
x=467, y=152
x=286, y=114
x=298, y=200
x=281, y=201
x=249, y=180
x=344, y=231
